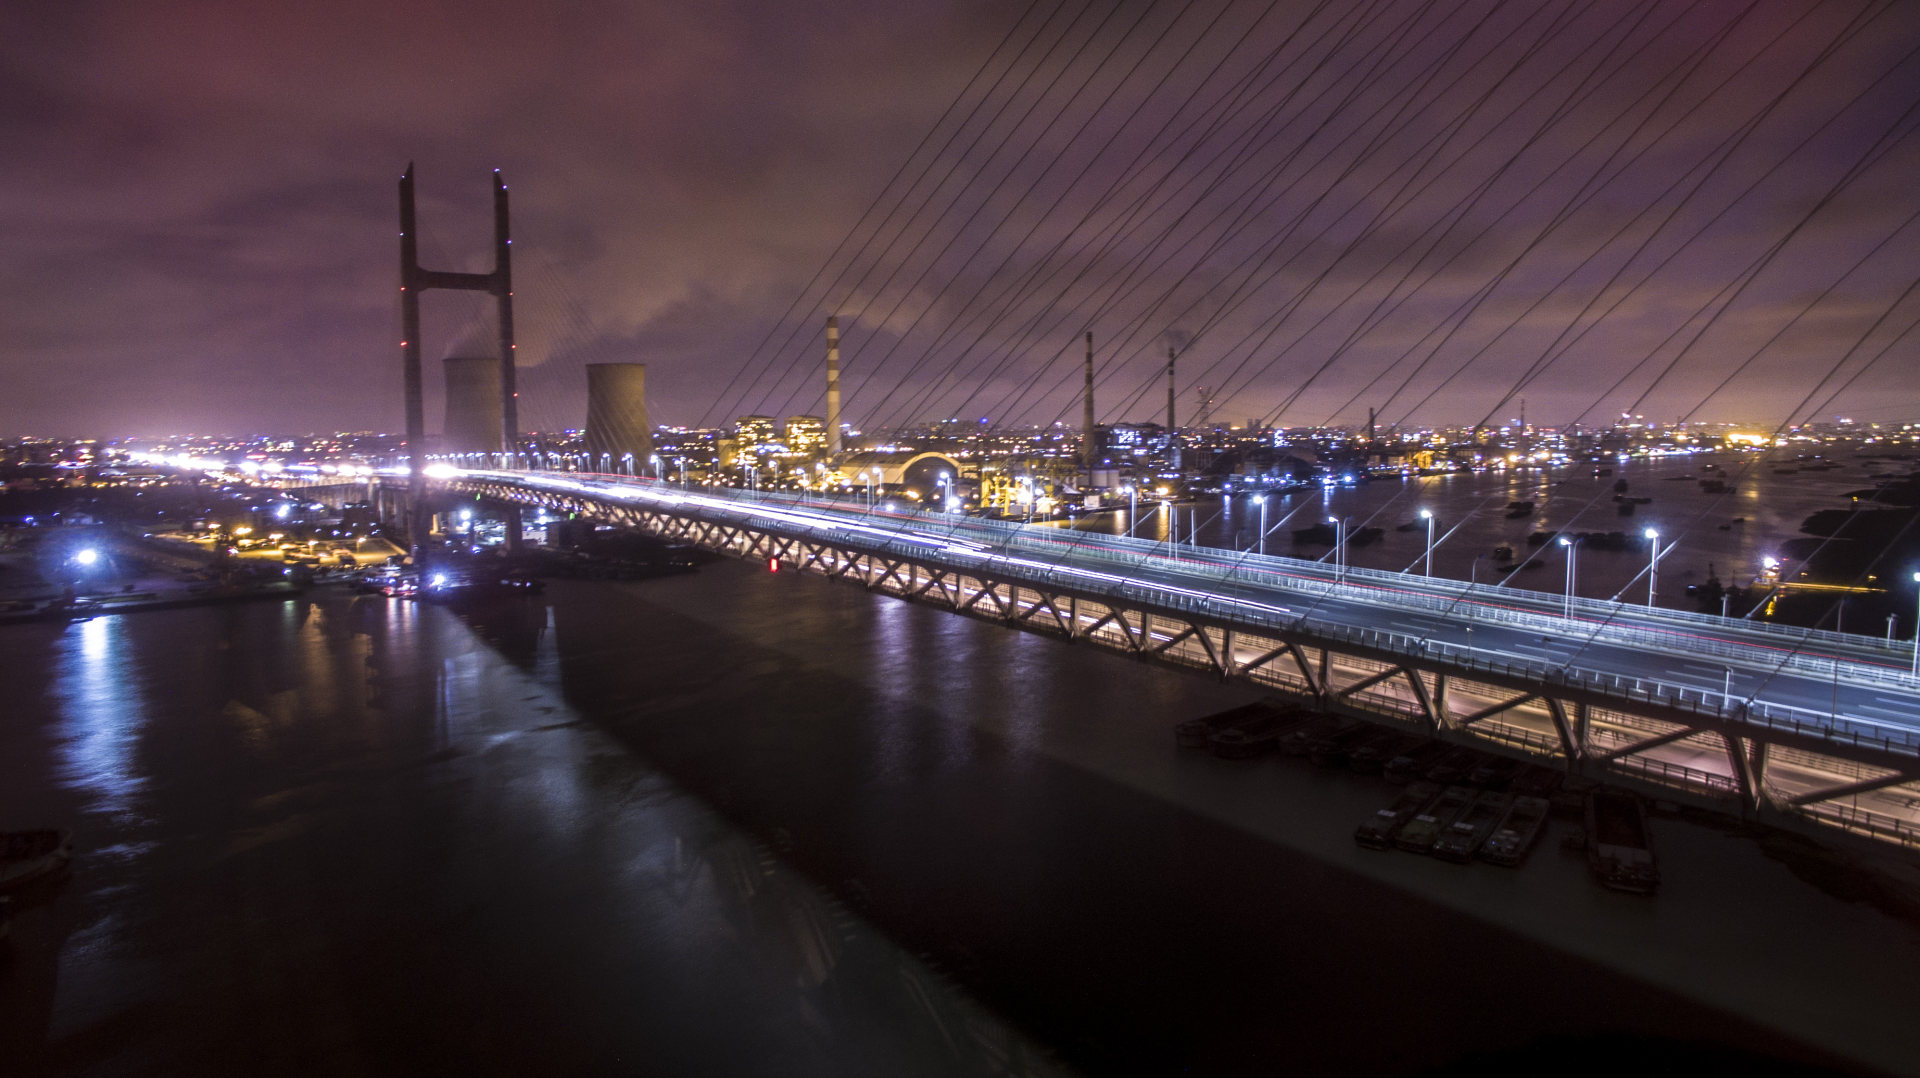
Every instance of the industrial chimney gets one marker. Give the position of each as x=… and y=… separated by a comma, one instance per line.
x=1169, y=392
x=833, y=385
x=473, y=421
x=617, y=416
x=1089, y=450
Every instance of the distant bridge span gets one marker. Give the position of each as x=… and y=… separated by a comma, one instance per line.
x=1758, y=717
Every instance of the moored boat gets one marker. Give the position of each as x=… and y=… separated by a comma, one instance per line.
x=1619, y=844
x=1377, y=831
x=1196, y=733
x=26, y=856
x=1515, y=836
x=1248, y=737
x=1333, y=749
x=1420, y=833
x=1462, y=838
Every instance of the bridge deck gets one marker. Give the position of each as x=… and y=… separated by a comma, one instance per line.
x=1823, y=725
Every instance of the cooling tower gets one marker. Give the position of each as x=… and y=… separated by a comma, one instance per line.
x=617, y=415
x=473, y=405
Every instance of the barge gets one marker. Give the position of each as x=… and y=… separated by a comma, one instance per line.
x=1619, y=844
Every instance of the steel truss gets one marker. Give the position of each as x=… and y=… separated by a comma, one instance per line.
x=1676, y=749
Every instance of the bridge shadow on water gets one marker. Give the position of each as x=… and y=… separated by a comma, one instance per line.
x=897, y=757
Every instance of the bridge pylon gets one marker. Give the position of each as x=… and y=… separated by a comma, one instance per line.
x=415, y=280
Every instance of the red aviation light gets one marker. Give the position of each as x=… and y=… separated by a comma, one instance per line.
x=773, y=565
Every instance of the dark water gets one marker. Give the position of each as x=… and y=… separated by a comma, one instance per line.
x=742, y=823
x=1472, y=521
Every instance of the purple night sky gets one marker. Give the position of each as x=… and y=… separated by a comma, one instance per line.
x=1699, y=209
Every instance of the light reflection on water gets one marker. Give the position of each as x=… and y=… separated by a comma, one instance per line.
x=522, y=824
x=101, y=717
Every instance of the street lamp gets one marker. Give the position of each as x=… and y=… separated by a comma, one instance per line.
x=1339, y=547
x=1653, y=564
x=1427, y=515
x=1133, y=508
x=658, y=465
x=1573, y=549
x=1916, y=632
x=1261, y=501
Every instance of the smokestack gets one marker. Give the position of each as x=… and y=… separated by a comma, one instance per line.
x=833, y=385
x=617, y=415
x=1169, y=392
x=1089, y=452
x=473, y=405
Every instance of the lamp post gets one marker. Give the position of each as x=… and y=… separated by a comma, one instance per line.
x=1339, y=547
x=1653, y=564
x=1133, y=508
x=658, y=465
x=1427, y=515
x=1173, y=526
x=1916, y=631
x=1261, y=501
x=1573, y=549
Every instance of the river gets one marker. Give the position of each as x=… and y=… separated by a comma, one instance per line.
x=742, y=822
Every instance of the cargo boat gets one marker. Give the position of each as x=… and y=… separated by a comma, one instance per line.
x=1304, y=736
x=1333, y=749
x=1495, y=772
x=1249, y=737
x=1454, y=766
x=1410, y=763
x=1514, y=838
x=1462, y=839
x=1370, y=756
x=1619, y=844
x=1378, y=831
x=1420, y=833
x=1198, y=733
x=26, y=856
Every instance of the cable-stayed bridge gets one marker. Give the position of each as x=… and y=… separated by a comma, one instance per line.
x=1381, y=207
x=1760, y=716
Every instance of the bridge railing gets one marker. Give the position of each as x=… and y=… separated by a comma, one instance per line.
x=1126, y=553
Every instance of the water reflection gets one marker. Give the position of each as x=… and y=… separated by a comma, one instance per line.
x=101, y=717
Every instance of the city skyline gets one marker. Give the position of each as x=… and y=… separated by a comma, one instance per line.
x=202, y=212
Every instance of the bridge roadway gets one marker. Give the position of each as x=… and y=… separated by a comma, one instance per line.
x=1808, y=691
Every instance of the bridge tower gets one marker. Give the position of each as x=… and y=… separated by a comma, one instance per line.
x=415, y=280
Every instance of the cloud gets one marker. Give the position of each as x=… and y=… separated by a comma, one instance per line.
x=199, y=199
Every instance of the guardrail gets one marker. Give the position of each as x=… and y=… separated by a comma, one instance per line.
x=914, y=526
